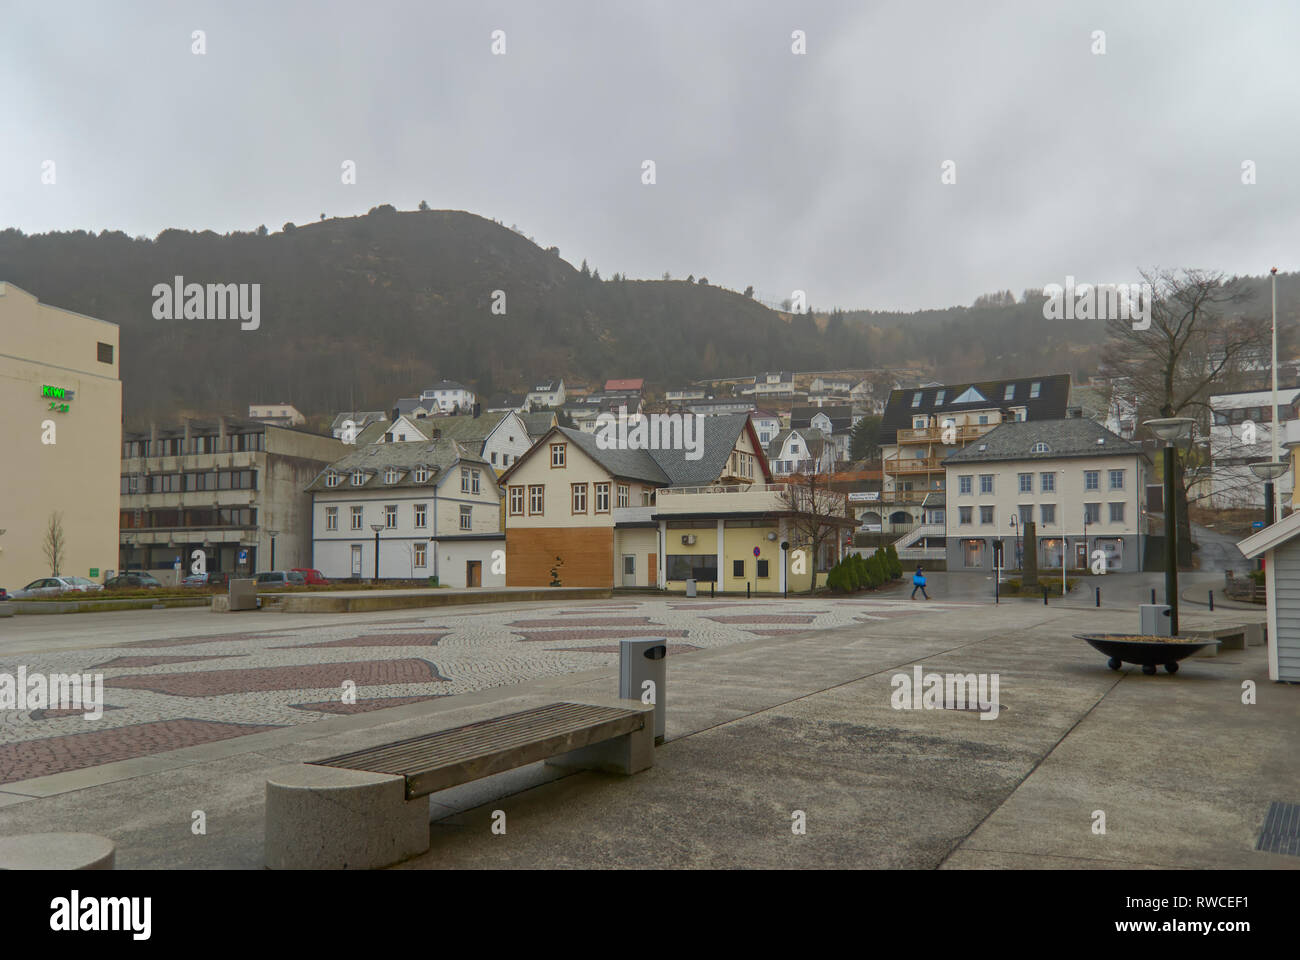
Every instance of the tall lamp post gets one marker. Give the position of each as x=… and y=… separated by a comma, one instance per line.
x=1170, y=430
x=376, y=527
x=273, y=534
x=1015, y=535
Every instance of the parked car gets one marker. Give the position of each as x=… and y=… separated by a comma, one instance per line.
x=195, y=580
x=90, y=586
x=4, y=594
x=46, y=587
x=312, y=576
x=135, y=580
x=271, y=579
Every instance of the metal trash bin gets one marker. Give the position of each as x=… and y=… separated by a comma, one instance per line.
x=690, y=588
x=642, y=659
x=243, y=594
x=1154, y=619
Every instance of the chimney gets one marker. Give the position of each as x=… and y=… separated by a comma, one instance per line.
x=478, y=408
x=395, y=415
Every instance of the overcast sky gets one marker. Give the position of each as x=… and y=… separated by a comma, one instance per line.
x=819, y=172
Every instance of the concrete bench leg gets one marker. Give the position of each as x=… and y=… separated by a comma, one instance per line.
x=57, y=851
x=1255, y=634
x=328, y=818
x=628, y=754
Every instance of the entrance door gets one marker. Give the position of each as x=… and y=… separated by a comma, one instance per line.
x=1081, y=555
x=652, y=569
x=974, y=551
x=473, y=573
x=356, y=560
x=629, y=570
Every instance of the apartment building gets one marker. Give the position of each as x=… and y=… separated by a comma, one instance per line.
x=62, y=422
x=500, y=438
x=233, y=488
x=1241, y=434
x=279, y=414
x=548, y=393
x=360, y=419
x=834, y=421
x=922, y=425
x=436, y=504
x=1081, y=484
x=448, y=396
x=652, y=518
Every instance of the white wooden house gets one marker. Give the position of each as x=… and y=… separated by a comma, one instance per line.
x=1280, y=546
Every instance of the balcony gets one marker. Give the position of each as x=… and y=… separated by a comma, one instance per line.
x=962, y=433
x=911, y=465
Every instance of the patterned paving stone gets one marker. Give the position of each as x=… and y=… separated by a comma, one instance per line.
x=770, y=617
x=568, y=636
x=58, y=713
x=612, y=648
x=585, y=622
x=118, y=662
x=213, y=683
x=361, y=706
x=374, y=640
x=38, y=758
x=187, y=641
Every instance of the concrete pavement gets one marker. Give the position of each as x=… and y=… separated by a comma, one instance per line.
x=757, y=730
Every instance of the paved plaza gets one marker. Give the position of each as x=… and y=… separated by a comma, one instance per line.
x=777, y=712
x=250, y=673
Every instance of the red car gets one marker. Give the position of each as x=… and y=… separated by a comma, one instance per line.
x=312, y=576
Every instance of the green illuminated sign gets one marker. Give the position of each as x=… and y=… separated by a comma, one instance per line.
x=57, y=393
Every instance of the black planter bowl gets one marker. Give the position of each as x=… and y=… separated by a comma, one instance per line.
x=1147, y=654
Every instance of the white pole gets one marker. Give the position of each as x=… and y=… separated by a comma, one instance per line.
x=1275, y=425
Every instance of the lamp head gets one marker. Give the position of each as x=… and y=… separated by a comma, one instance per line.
x=1170, y=429
x=1269, y=470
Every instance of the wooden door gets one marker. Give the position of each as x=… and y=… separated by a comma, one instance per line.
x=473, y=573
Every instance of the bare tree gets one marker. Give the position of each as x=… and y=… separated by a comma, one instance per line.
x=1200, y=339
x=56, y=547
x=813, y=508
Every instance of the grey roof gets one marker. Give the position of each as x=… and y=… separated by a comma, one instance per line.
x=840, y=416
x=1073, y=437
x=408, y=404
x=360, y=417
x=447, y=385
x=717, y=437
x=813, y=439
x=547, y=386
x=537, y=423
x=437, y=455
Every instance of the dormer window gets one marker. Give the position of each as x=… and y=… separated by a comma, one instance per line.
x=1040, y=447
x=332, y=479
x=421, y=474
x=938, y=398
x=358, y=478
x=390, y=475
x=1010, y=392
x=916, y=399
x=1035, y=389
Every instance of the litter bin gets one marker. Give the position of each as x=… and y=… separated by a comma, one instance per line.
x=690, y=588
x=642, y=659
x=243, y=595
x=1154, y=619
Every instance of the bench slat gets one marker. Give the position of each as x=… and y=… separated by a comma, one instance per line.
x=450, y=757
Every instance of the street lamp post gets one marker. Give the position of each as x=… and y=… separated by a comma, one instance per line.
x=1015, y=535
x=1171, y=429
x=273, y=534
x=1273, y=425
x=376, y=527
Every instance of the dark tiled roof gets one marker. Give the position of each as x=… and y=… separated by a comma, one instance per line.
x=1050, y=404
x=1075, y=437
x=359, y=417
x=437, y=455
x=537, y=423
x=841, y=416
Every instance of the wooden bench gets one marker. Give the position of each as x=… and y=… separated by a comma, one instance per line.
x=365, y=809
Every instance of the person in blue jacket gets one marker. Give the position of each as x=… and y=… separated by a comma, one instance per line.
x=918, y=583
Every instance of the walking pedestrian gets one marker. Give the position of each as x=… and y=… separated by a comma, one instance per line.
x=918, y=583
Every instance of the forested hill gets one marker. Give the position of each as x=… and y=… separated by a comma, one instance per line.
x=364, y=309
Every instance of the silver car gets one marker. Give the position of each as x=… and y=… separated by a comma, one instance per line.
x=46, y=587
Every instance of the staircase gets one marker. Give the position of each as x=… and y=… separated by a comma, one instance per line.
x=906, y=550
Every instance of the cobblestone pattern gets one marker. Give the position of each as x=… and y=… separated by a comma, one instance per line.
x=174, y=698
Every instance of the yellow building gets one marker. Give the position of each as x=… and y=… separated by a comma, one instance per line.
x=628, y=517
x=61, y=434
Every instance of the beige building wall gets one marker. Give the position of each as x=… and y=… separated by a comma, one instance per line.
x=77, y=474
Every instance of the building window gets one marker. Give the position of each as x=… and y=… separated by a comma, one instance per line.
x=421, y=474
x=356, y=518
x=494, y=457
x=390, y=516
x=421, y=515
x=1048, y=511
x=557, y=455
x=1026, y=482
x=965, y=483
x=986, y=483
x=104, y=352
x=1026, y=511
x=464, y=480
x=1092, y=479
x=331, y=518
x=602, y=498
x=516, y=501
x=1117, y=479
x=390, y=475
x=761, y=572
x=358, y=478
x=986, y=514
x=1040, y=447
x=1047, y=482
x=1010, y=392
x=1035, y=389
x=331, y=479
x=738, y=569
x=421, y=550
x=916, y=399
x=1092, y=513
x=579, y=498
x=465, y=517
x=1117, y=513
x=984, y=419
x=536, y=499
x=474, y=481
x=964, y=515
x=622, y=495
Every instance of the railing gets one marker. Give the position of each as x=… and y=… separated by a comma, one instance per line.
x=912, y=464
x=723, y=488
x=964, y=432
x=916, y=533
x=1244, y=588
x=922, y=553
